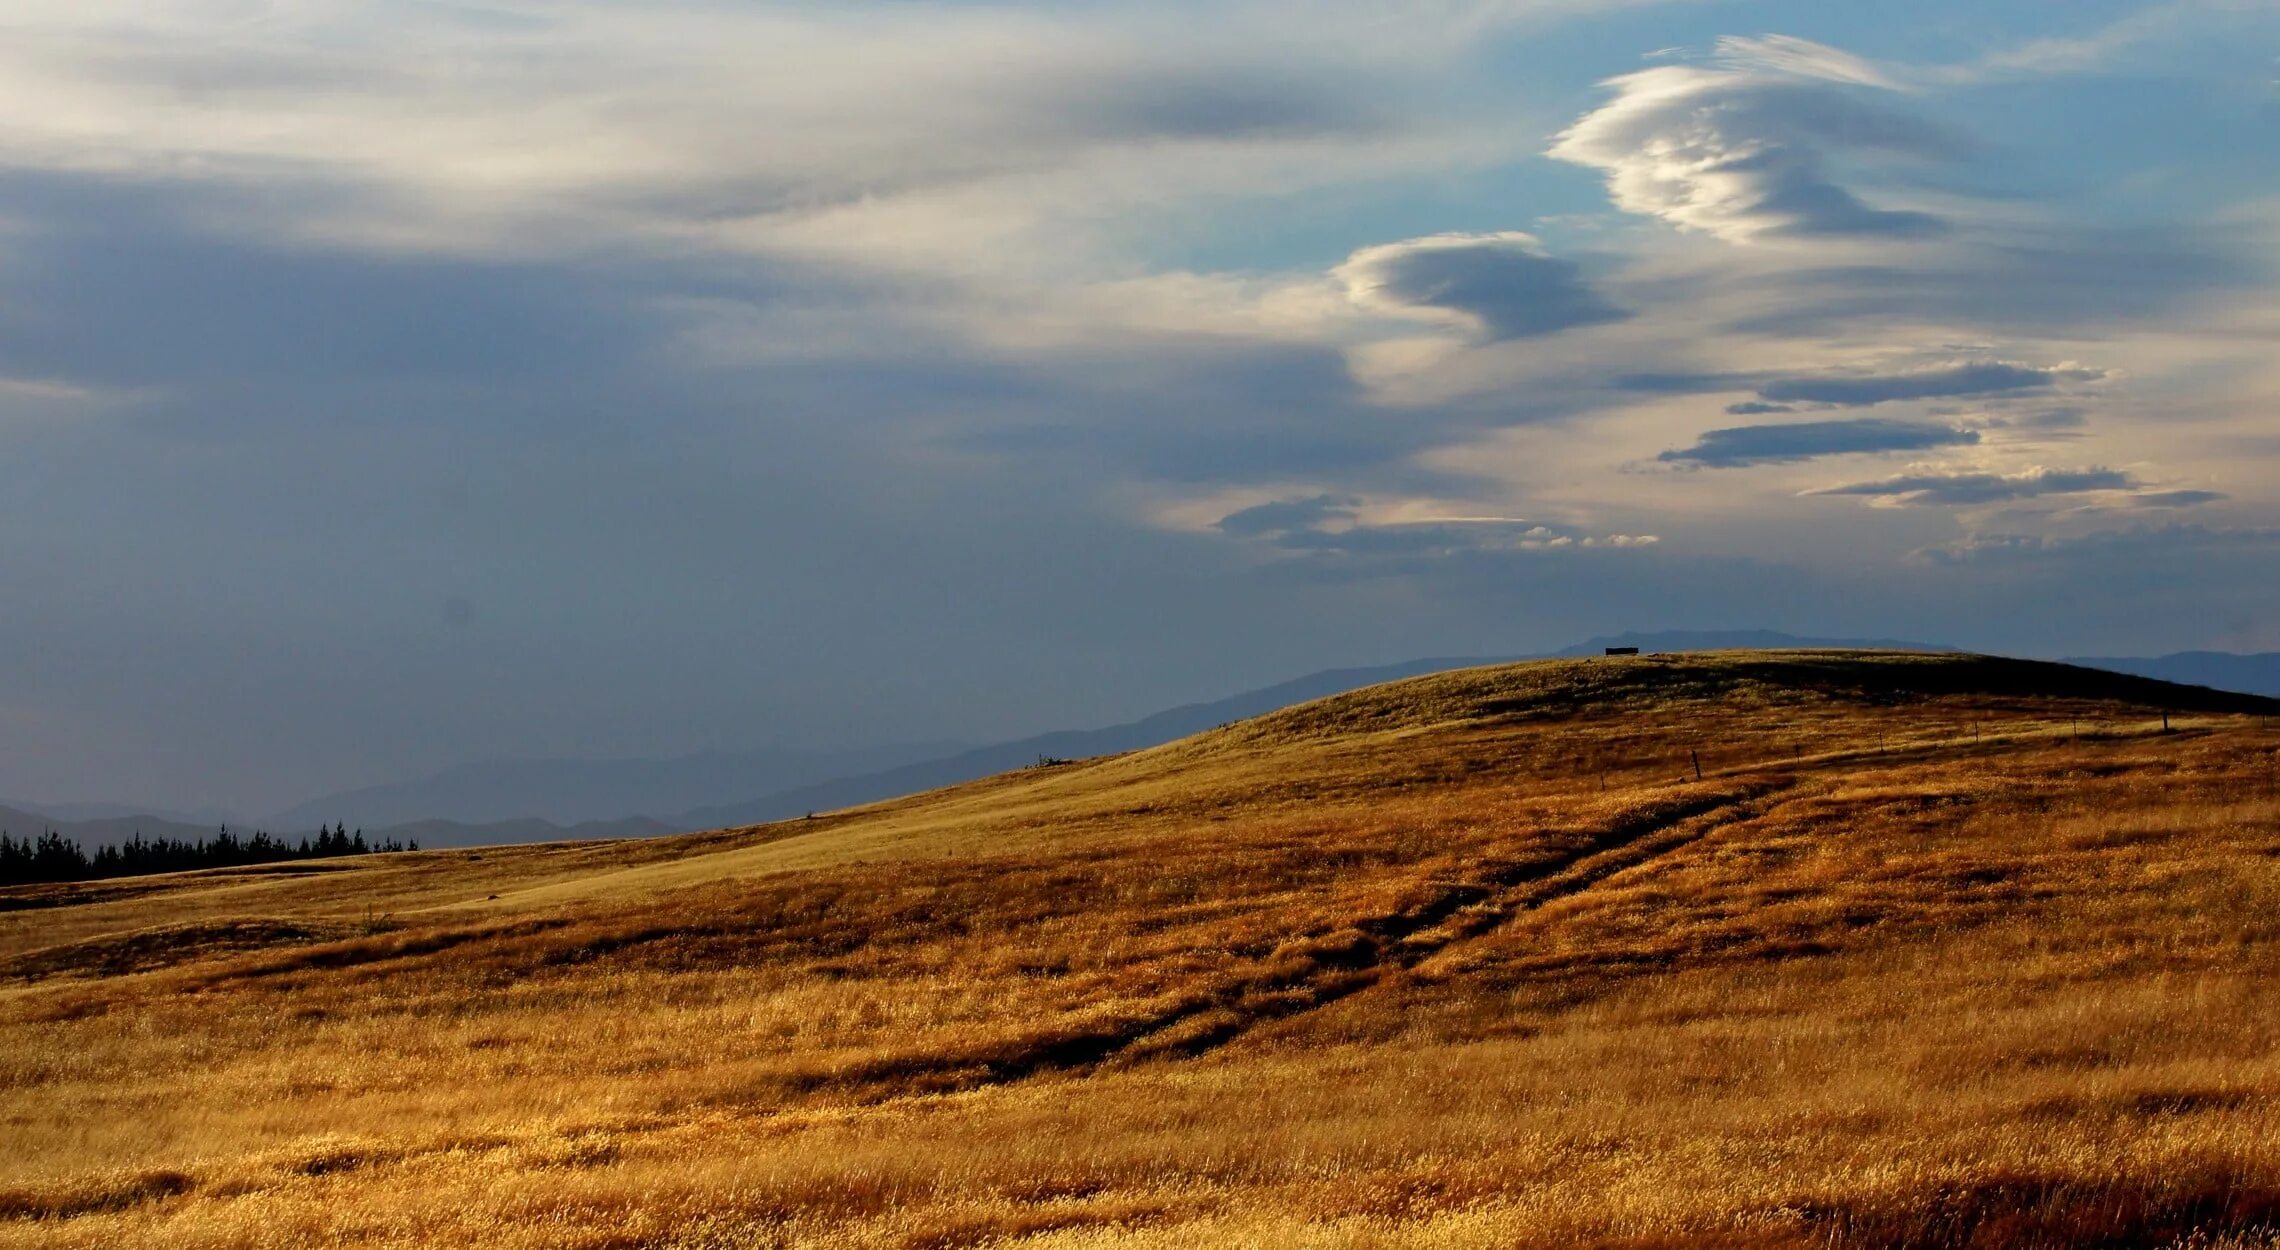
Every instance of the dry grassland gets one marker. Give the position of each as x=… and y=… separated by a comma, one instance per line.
x=1937, y=951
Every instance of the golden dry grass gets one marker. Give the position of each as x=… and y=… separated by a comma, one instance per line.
x=1936, y=951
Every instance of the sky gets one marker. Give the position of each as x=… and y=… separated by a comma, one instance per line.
x=386, y=384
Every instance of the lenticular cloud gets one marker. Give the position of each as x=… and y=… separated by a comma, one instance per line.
x=1742, y=149
x=1500, y=286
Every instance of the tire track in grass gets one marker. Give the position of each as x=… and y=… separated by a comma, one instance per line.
x=1319, y=969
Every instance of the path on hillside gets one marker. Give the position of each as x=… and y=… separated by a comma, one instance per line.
x=1314, y=970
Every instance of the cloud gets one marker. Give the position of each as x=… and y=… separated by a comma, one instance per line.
x=2041, y=277
x=2176, y=498
x=1195, y=411
x=1864, y=388
x=1686, y=383
x=2097, y=51
x=2048, y=419
x=1966, y=489
x=1773, y=444
x=1976, y=377
x=1333, y=525
x=1743, y=149
x=1444, y=538
x=1500, y=286
x=1801, y=58
x=1285, y=515
x=113, y=270
x=1218, y=102
x=456, y=128
x=2133, y=552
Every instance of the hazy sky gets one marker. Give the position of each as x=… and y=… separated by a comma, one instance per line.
x=390, y=384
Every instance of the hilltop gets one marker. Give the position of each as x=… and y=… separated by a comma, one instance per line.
x=478, y=804
x=508, y=801
x=1827, y=948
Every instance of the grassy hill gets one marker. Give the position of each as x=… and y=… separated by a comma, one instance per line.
x=1734, y=949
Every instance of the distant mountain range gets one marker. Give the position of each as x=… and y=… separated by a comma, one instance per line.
x=1155, y=730
x=112, y=811
x=553, y=800
x=2257, y=673
x=20, y=821
x=568, y=792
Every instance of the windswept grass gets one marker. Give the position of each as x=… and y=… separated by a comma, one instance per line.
x=1934, y=951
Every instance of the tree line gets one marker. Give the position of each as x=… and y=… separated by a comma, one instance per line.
x=53, y=857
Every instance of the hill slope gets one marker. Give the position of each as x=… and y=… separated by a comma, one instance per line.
x=1812, y=948
x=1179, y=722
x=711, y=791
x=1155, y=730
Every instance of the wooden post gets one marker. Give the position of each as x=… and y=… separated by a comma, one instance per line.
x=1696, y=756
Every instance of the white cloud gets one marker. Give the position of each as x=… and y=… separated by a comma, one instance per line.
x=1352, y=527
x=926, y=135
x=1801, y=58
x=1742, y=149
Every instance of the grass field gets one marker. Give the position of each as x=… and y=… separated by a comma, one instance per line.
x=1736, y=949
